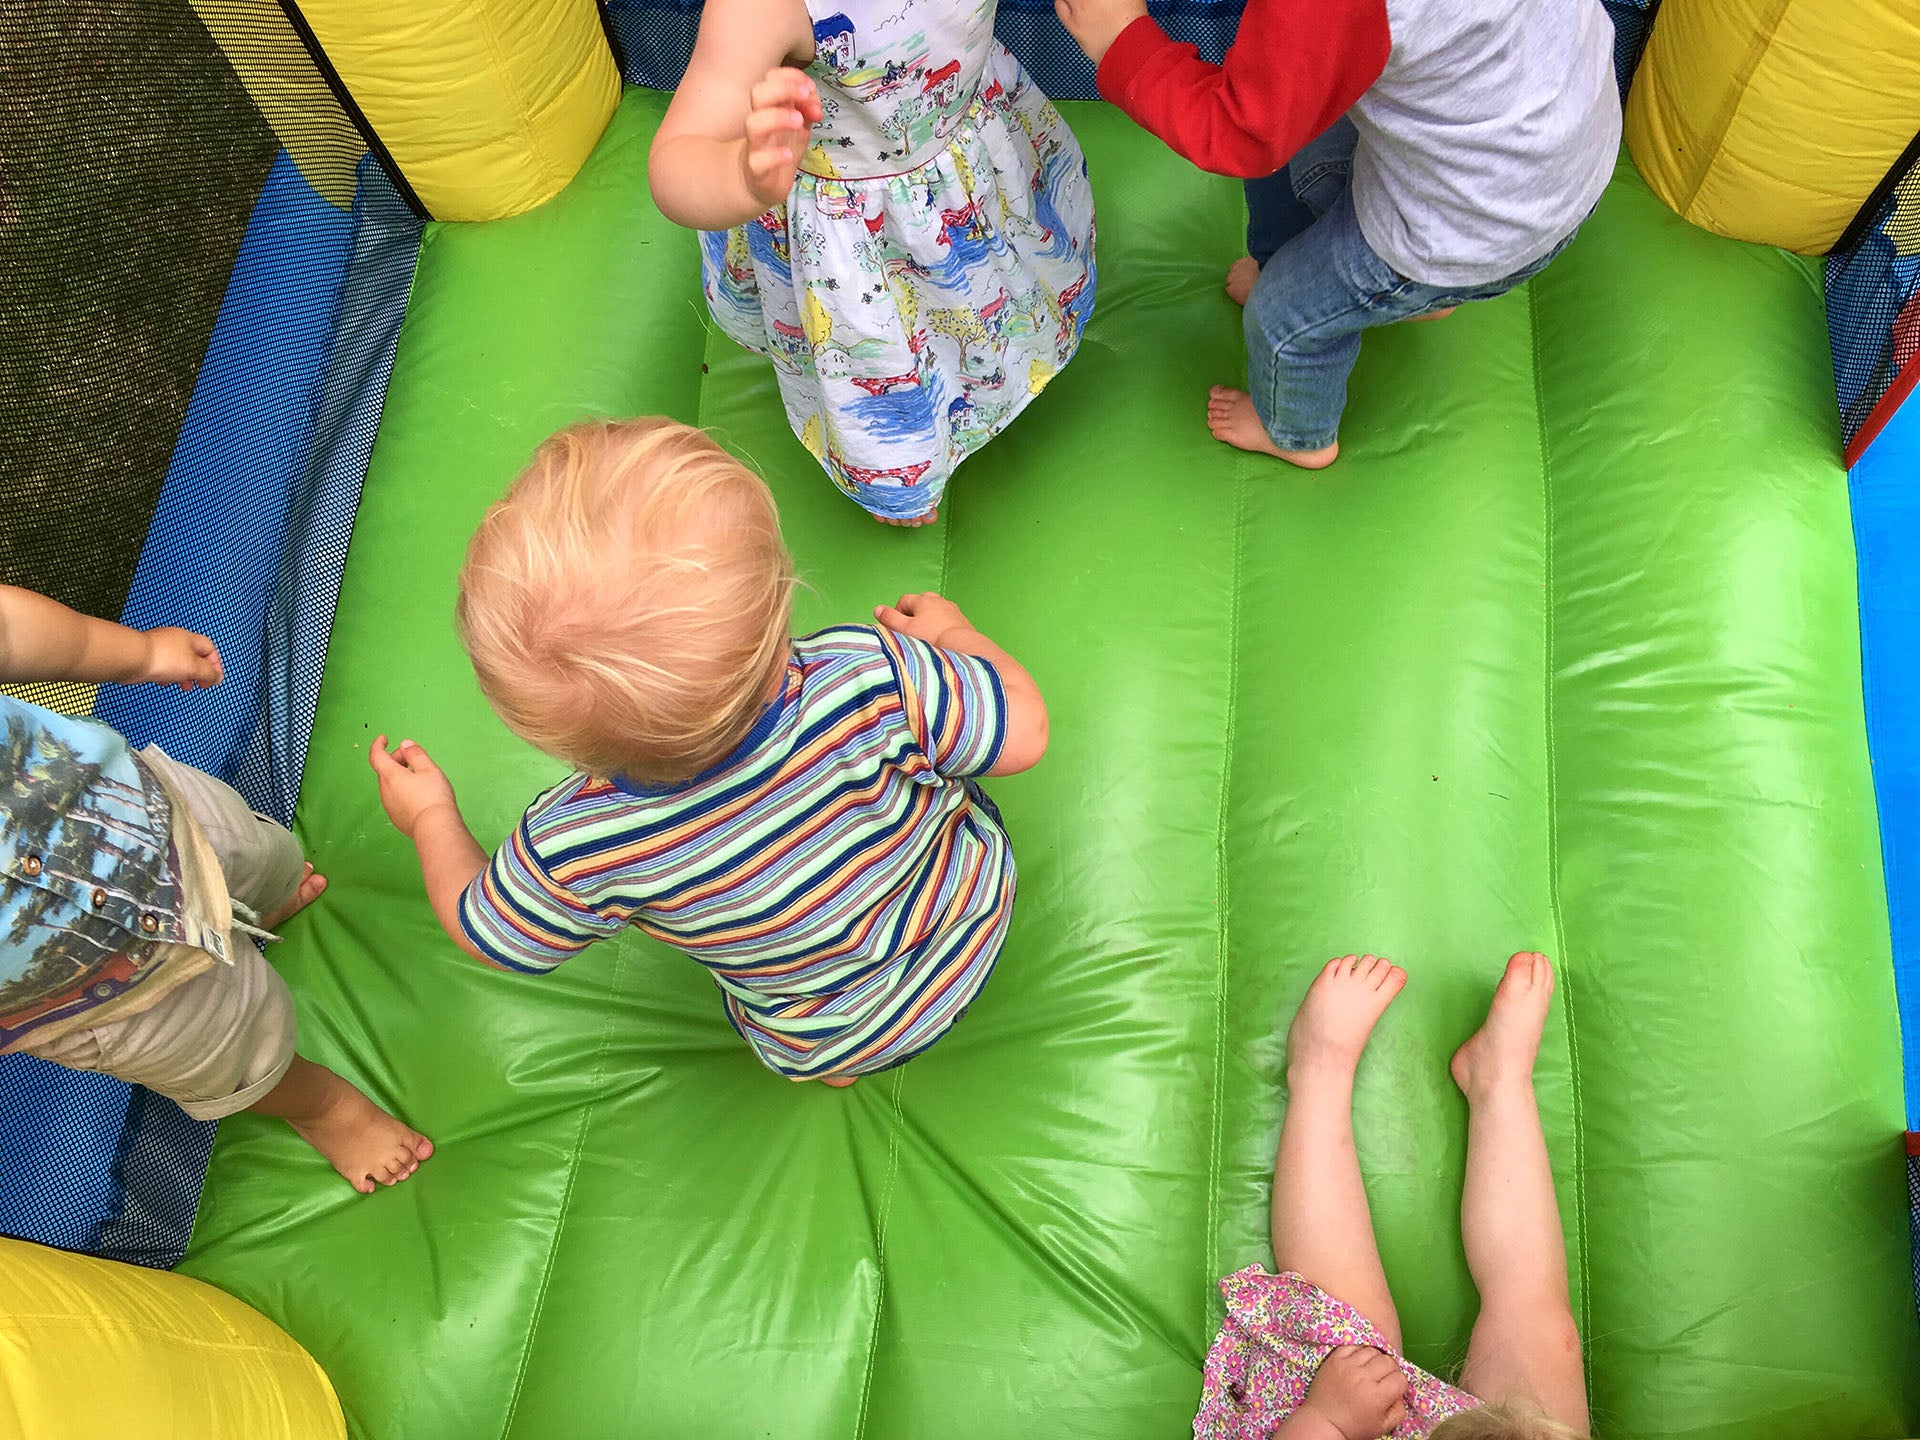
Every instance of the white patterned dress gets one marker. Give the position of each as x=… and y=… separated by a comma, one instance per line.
x=932, y=268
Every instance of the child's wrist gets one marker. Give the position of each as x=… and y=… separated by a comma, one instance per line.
x=1309, y=1422
x=435, y=816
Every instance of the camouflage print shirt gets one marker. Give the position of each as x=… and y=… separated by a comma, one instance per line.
x=98, y=910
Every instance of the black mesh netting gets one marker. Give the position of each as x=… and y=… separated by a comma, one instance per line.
x=1873, y=295
x=133, y=155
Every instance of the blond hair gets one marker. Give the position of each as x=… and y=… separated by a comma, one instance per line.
x=626, y=603
x=1505, y=1421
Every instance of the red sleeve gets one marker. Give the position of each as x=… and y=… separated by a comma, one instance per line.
x=1295, y=67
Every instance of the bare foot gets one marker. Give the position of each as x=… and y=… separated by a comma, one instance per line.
x=1433, y=314
x=304, y=894
x=364, y=1143
x=1344, y=1003
x=1503, y=1050
x=1240, y=277
x=911, y=521
x=1232, y=418
x=839, y=1082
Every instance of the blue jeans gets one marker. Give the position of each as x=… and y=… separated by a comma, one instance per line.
x=1320, y=285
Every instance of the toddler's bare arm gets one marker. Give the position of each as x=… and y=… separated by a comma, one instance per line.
x=938, y=621
x=419, y=800
x=41, y=639
x=740, y=119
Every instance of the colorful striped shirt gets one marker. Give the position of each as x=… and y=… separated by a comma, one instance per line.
x=846, y=886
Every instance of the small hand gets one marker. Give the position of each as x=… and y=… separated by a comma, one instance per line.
x=1096, y=24
x=1360, y=1391
x=411, y=785
x=925, y=616
x=180, y=657
x=786, y=107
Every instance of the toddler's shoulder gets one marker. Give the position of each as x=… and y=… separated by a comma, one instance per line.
x=565, y=814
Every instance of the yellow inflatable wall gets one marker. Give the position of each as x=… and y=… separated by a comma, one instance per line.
x=90, y=1349
x=487, y=107
x=1773, y=120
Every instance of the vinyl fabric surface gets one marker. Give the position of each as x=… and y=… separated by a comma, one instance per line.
x=1562, y=654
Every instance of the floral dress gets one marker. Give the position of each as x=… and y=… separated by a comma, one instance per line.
x=932, y=268
x=1277, y=1330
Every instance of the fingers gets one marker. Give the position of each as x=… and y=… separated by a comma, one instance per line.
x=378, y=757
x=416, y=759
x=788, y=88
x=889, y=617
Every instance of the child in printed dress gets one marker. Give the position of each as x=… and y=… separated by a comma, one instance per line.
x=798, y=815
x=1478, y=136
x=131, y=887
x=905, y=227
x=1314, y=1352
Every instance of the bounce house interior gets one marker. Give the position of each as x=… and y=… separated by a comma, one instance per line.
x=1603, y=639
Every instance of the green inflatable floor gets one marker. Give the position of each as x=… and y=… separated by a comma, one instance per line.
x=1562, y=655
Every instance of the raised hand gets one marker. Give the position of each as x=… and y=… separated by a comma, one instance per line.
x=785, y=108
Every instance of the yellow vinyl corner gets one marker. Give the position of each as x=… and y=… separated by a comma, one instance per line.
x=487, y=107
x=92, y=1348
x=1773, y=120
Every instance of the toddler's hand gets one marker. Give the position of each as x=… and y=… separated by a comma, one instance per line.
x=410, y=784
x=925, y=616
x=1096, y=24
x=1360, y=1391
x=786, y=107
x=180, y=657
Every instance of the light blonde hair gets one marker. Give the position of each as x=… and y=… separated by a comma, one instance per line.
x=626, y=603
x=1505, y=1421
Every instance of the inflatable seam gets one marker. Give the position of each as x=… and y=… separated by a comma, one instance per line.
x=886, y=1213
x=893, y=1134
x=566, y=1196
x=1224, y=930
x=1564, y=959
x=523, y=124
x=1716, y=137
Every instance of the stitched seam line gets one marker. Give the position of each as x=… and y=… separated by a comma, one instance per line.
x=1724, y=117
x=1223, y=935
x=893, y=1140
x=566, y=1195
x=1565, y=961
x=880, y=1246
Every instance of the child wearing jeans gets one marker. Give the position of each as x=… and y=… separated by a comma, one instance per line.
x=1313, y=1353
x=798, y=815
x=1479, y=134
x=131, y=889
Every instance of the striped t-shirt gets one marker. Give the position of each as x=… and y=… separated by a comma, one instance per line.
x=845, y=887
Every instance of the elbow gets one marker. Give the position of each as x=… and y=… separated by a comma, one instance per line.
x=1026, y=742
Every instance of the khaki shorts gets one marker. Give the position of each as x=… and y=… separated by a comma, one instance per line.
x=217, y=1043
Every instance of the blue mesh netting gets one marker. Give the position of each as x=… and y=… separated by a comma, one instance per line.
x=247, y=542
x=1873, y=296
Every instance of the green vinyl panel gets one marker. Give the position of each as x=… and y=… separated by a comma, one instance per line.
x=1562, y=654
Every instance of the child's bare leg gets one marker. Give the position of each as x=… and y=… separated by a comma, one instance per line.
x=364, y=1143
x=1525, y=1344
x=1322, y=1228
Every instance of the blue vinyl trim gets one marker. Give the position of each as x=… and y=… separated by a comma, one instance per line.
x=1886, y=524
x=214, y=546
x=385, y=247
